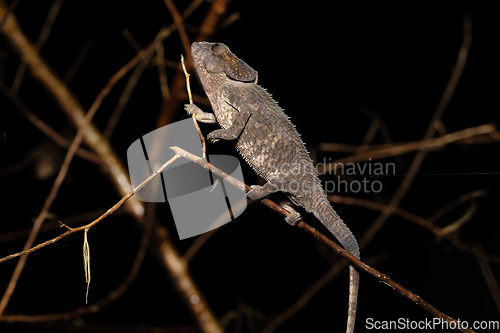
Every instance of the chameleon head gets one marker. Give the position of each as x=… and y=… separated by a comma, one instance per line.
x=216, y=58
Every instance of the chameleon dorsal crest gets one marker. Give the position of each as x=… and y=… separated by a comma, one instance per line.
x=233, y=66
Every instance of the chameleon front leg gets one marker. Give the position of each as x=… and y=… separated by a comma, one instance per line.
x=232, y=132
x=228, y=103
x=202, y=116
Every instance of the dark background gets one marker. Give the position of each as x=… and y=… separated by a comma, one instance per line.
x=326, y=64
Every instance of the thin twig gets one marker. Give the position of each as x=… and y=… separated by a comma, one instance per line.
x=489, y=276
x=181, y=29
x=162, y=73
x=40, y=42
x=125, y=96
x=217, y=9
x=403, y=148
x=188, y=87
x=77, y=62
x=425, y=223
x=44, y=128
x=112, y=296
x=458, y=201
x=188, y=84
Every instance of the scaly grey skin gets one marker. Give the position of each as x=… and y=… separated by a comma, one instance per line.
x=268, y=141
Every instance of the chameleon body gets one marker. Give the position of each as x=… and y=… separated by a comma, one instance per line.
x=268, y=141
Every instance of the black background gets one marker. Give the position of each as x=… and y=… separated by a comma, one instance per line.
x=326, y=64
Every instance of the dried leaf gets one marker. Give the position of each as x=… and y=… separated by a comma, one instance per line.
x=86, y=263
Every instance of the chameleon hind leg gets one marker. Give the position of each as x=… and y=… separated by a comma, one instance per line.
x=294, y=218
x=258, y=192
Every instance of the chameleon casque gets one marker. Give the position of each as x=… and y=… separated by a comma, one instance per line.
x=268, y=141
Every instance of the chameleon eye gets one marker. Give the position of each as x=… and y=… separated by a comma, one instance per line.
x=219, y=48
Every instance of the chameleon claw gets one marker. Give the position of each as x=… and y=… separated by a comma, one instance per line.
x=213, y=136
x=293, y=219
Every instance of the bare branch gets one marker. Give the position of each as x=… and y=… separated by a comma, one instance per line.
x=401, y=148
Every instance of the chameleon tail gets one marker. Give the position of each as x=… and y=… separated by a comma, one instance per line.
x=324, y=212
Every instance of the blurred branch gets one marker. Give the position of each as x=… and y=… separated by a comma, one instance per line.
x=401, y=148
x=489, y=276
x=43, y=127
x=125, y=95
x=177, y=86
x=77, y=62
x=425, y=223
x=181, y=29
x=40, y=42
x=87, y=132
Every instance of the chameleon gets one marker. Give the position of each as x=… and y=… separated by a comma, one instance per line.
x=268, y=141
